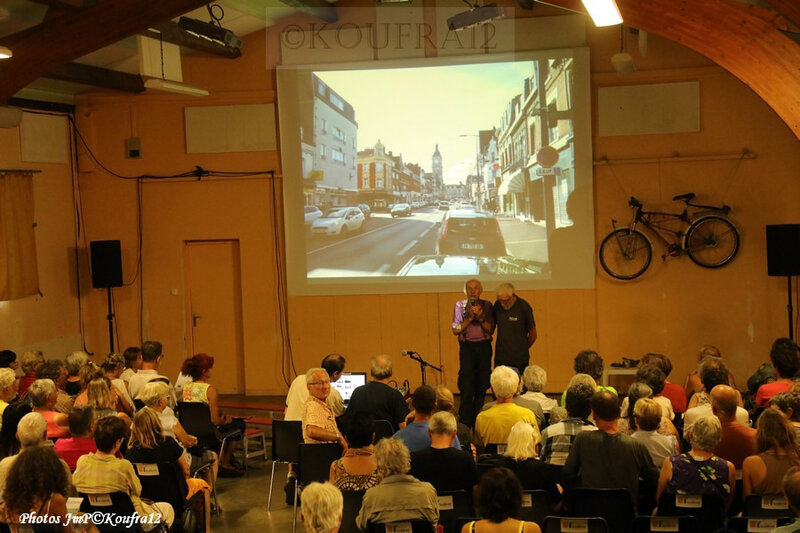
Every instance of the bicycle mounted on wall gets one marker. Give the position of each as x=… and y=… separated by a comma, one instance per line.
x=704, y=234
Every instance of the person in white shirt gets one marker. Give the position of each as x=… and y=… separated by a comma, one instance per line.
x=648, y=415
x=152, y=356
x=535, y=378
x=711, y=376
x=298, y=391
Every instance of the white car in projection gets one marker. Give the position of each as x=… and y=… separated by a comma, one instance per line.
x=339, y=221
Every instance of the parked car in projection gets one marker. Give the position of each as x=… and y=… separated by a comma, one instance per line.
x=444, y=205
x=366, y=210
x=471, y=233
x=311, y=213
x=401, y=210
x=339, y=221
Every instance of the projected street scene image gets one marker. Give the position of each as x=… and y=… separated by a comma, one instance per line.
x=452, y=170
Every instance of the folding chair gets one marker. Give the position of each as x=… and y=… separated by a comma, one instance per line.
x=118, y=503
x=563, y=524
x=163, y=482
x=766, y=506
x=383, y=429
x=405, y=526
x=286, y=435
x=614, y=505
x=452, y=505
x=496, y=448
x=709, y=509
x=652, y=524
x=536, y=506
x=352, y=505
x=313, y=464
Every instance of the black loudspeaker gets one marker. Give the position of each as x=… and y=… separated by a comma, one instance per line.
x=783, y=250
x=106, y=264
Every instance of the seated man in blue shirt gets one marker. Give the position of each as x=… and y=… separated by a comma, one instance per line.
x=415, y=434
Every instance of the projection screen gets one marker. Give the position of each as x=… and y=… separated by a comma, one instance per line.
x=415, y=175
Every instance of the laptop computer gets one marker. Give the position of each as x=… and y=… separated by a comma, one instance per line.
x=347, y=383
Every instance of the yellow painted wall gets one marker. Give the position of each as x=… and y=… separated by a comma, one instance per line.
x=674, y=308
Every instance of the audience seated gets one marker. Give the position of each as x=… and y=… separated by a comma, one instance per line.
x=99, y=395
x=627, y=423
x=42, y=395
x=493, y=425
x=8, y=388
x=557, y=414
x=712, y=373
x=200, y=390
x=298, y=392
x=30, y=363
x=319, y=422
x=445, y=401
x=653, y=377
x=672, y=391
x=133, y=362
x=777, y=452
x=590, y=363
x=88, y=373
x=55, y=370
x=791, y=489
x=112, y=368
x=149, y=445
x=535, y=378
x=557, y=438
x=694, y=382
x=521, y=458
x=785, y=363
x=74, y=362
x=356, y=470
x=377, y=397
x=102, y=472
x=9, y=445
x=647, y=416
x=8, y=359
x=607, y=458
x=183, y=377
x=786, y=402
x=440, y=464
x=30, y=434
x=699, y=471
x=152, y=355
x=499, y=503
x=738, y=440
x=531, y=405
x=37, y=483
x=81, y=441
x=579, y=378
x=321, y=508
x=415, y=434
x=399, y=496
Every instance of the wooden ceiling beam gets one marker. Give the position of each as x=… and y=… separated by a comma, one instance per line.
x=97, y=77
x=40, y=49
x=171, y=32
x=788, y=8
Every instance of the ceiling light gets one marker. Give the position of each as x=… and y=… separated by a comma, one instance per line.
x=174, y=87
x=5, y=52
x=603, y=12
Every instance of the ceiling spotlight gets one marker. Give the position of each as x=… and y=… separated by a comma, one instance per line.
x=476, y=15
x=5, y=52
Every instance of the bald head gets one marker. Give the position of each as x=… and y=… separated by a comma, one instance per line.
x=724, y=400
x=380, y=367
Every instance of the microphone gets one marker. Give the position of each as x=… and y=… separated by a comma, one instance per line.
x=408, y=352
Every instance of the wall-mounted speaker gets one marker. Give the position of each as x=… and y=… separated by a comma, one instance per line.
x=106, y=264
x=783, y=250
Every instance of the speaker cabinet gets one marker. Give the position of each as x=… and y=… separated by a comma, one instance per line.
x=106, y=264
x=783, y=250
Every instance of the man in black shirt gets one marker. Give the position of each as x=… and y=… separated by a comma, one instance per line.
x=442, y=466
x=516, y=329
x=377, y=397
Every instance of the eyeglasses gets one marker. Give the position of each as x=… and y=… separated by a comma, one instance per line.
x=320, y=383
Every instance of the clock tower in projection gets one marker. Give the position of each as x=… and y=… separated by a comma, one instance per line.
x=438, y=184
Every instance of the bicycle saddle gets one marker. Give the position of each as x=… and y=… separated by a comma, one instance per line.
x=688, y=197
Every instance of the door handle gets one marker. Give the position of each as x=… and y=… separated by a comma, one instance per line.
x=195, y=318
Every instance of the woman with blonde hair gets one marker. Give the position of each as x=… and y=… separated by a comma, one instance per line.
x=522, y=458
x=777, y=453
x=148, y=445
x=647, y=416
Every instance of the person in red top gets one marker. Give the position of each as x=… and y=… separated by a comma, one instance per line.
x=82, y=440
x=30, y=363
x=785, y=364
x=738, y=441
x=674, y=392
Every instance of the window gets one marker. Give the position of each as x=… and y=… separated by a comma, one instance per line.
x=379, y=183
x=337, y=102
x=322, y=151
x=337, y=156
x=379, y=167
x=321, y=89
x=324, y=126
x=338, y=134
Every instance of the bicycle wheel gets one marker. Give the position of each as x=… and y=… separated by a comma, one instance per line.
x=712, y=241
x=625, y=254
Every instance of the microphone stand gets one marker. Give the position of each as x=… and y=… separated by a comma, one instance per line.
x=423, y=364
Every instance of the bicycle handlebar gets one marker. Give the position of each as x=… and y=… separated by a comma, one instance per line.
x=633, y=202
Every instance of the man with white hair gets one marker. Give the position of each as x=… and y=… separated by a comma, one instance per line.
x=473, y=325
x=535, y=378
x=298, y=392
x=377, y=397
x=31, y=432
x=319, y=422
x=440, y=464
x=516, y=329
x=493, y=425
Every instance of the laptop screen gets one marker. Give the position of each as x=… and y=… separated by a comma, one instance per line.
x=347, y=383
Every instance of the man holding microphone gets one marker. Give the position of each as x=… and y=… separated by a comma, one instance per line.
x=473, y=325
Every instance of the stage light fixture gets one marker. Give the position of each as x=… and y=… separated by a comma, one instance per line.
x=475, y=16
x=211, y=31
x=5, y=52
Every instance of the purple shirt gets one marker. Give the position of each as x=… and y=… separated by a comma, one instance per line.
x=473, y=332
